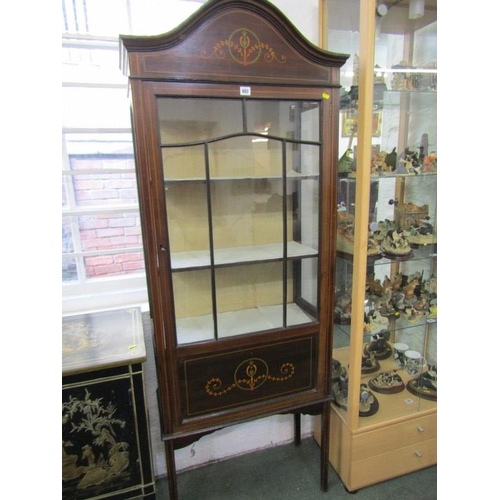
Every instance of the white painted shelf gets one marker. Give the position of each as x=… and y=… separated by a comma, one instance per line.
x=201, y=328
x=238, y=255
x=291, y=174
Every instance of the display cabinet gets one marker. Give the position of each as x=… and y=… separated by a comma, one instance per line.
x=106, y=450
x=384, y=375
x=235, y=118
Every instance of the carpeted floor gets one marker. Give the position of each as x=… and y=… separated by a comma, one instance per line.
x=290, y=473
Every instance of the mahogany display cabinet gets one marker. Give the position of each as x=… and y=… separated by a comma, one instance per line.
x=235, y=118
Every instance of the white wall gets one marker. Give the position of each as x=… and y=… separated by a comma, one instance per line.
x=259, y=434
x=304, y=14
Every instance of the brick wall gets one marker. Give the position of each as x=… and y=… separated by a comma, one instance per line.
x=108, y=231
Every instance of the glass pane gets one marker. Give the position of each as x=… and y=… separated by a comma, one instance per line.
x=407, y=204
x=194, y=120
x=342, y=31
x=247, y=218
x=138, y=17
x=103, y=189
x=188, y=228
x=309, y=127
x=244, y=157
x=69, y=270
x=281, y=119
x=400, y=304
x=150, y=17
x=193, y=306
x=115, y=264
x=303, y=161
x=302, y=191
x=189, y=241
x=93, y=17
x=109, y=231
x=115, y=149
x=67, y=236
x=303, y=240
x=82, y=107
x=249, y=298
x=90, y=64
x=184, y=162
x=64, y=196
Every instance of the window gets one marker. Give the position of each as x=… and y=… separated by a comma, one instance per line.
x=102, y=257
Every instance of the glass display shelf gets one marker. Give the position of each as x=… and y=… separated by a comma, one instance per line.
x=384, y=356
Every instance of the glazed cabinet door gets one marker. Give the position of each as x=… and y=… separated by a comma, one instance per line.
x=239, y=254
x=241, y=181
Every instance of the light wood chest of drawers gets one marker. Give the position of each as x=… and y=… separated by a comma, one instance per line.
x=372, y=455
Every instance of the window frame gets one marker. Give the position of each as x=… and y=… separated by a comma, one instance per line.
x=87, y=293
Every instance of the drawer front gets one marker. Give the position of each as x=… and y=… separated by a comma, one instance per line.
x=222, y=381
x=392, y=464
x=393, y=437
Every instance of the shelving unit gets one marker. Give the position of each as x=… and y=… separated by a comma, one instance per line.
x=384, y=419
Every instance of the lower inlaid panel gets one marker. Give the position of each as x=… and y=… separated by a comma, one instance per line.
x=234, y=378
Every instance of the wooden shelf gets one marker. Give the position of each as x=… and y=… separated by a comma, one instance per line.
x=291, y=174
x=201, y=328
x=391, y=406
x=200, y=259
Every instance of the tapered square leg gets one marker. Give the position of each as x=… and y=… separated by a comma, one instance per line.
x=171, y=470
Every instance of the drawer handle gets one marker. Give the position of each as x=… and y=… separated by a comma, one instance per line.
x=420, y=429
x=418, y=454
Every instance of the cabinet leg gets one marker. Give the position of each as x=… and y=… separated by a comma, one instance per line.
x=171, y=471
x=325, y=444
x=298, y=431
